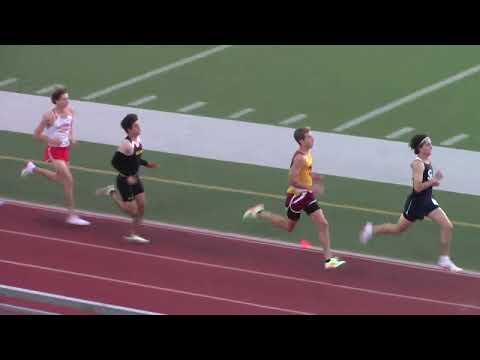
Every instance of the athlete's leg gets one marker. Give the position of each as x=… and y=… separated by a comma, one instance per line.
x=393, y=229
x=439, y=216
x=50, y=175
x=323, y=228
x=137, y=221
x=129, y=207
x=279, y=221
x=64, y=175
x=446, y=229
x=369, y=230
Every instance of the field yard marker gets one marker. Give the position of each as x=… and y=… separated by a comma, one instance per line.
x=8, y=81
x=192, y=107
x=241, y=113
x=396, y=134
x=409, y=98
x=454, y=140
x=293, y=119
x=48, y=89
x=156, y=72
x=142, y=100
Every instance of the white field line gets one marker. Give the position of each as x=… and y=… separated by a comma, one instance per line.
x=155, y=72
x=8, y=81
x=241, y=113
x=409, y=98
x=142, y=100
x=293, y=119
x=191, y=107
x=48, y=89
x=400, y=132
x=454, y=140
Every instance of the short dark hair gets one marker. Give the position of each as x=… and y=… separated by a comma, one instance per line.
x=300, y=133
x=416, y=141
x=128, y=122
x=57, y=94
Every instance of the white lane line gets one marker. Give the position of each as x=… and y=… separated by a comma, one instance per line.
x=247, y=238
x=409, y=98
x=293, y=119
x=156, y=72
x=8, y=81
x=48, y=89
x=26, y=310
x=152, y=287
x=454, y=140
x=191, y=107
x=241, y=113
x=142, y=100
x=400, y=132
x=243, y=270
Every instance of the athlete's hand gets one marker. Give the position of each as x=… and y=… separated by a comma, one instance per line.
x=131, y=180
x=152, y=165
x=439, y=175
x=318, y=189
x=435, y=182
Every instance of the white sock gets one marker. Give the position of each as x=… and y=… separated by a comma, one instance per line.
x=444, y=258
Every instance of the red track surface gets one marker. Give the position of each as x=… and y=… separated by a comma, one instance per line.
x=183, y=272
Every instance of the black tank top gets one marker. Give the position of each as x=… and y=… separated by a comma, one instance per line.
x=128, y=165
x=427, y=176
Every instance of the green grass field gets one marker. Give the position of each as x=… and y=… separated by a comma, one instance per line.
x=331, y=84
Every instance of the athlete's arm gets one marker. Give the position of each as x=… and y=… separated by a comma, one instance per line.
x=148, y=164
x=418, y=167
x=71, y=137
x=44, y=123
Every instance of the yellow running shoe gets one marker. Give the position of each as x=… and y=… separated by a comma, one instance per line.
x=334, y=263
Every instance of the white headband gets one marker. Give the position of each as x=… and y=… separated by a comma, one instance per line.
x=424, y=140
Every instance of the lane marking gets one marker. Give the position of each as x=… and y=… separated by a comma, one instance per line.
x=161, y=70
x=191, y=107
x=248, y=271
x=407, y=99
x=454, y=139
x=250, y=239
x=8, y=81
x=400, y=132
x=241, y=113
x=142, y=100
x=151, y=287
x=48, y=89
x=292, y=120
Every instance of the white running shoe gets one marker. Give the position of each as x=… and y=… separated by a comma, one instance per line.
x=366, y=233
x=136, y=239
x=253, y=212
x=28, y=169
x=76, y=220
x=449, y=265
x=106, y=191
